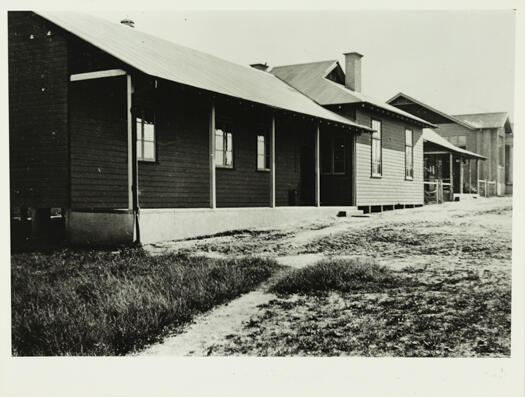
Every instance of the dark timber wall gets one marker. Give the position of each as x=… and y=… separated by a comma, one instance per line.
x=180, y=176
x=243, y=185
x=98, y=123
x=38, y=138
x=68, y=140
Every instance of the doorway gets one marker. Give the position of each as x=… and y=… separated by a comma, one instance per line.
x=307, y=175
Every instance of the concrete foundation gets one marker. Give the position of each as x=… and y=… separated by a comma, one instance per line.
x=158, y=225
x=465, y=196
x=111, y=228
x=40, y=221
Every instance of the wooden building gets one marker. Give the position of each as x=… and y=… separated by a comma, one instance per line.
x=487, y=134
x=388, y=162
x=443, y=169
x=136, y=138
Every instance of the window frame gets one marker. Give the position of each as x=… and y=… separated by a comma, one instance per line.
x=411, y=146
x=226, y=127
x=142, y=139
x=332, y=171
x=372, y=139
x=262, y=132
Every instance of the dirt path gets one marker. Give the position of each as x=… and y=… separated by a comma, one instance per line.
x=291, y=246
x=208, y=329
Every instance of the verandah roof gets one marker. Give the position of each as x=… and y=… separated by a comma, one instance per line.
x=432, y=136
x=165, y=59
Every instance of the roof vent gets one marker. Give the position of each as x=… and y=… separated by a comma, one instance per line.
x=128, y=22
x=260, y=66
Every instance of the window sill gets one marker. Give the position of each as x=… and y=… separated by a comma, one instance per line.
x=262, y=170
x=147, y=161
x=376, y=176
x=224, y=167
x=409, y=179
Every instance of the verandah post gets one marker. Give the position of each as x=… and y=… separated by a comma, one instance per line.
x=477, y=174
x=451, y=176
x=213, y=198
x=272, y=162
x=129, y=89
x=469, y=176
x=460, y=174
x=317, y=167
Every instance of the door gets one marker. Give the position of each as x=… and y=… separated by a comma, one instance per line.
x=307, y=175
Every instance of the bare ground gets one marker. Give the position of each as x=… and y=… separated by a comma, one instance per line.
x=458, y=255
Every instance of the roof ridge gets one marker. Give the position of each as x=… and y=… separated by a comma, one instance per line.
x=304, y=63
x=477, y=114
x=368, y=98
x=440, y=112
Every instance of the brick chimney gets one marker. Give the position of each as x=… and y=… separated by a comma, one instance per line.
x=260, y=66
x=353, y=71
x=128, y=22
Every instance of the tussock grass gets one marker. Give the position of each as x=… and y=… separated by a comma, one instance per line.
x=344, y=275
x=74, y=302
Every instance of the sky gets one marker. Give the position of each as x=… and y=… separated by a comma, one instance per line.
x=456, y=61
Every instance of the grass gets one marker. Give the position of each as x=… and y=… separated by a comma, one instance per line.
x=361, y=309
x=422, y=238
x=344, y=275
x=75, y=302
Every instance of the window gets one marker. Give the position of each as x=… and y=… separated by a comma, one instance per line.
x=333, y=154
x=409, y=154
x=458, y=140
x=223, y=145
x=263, y=152
x=146, y=137
x=377, y=160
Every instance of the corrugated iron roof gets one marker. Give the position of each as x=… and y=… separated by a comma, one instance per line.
x=310, y=79
x=485, y=120
x=432, y=136
x=430, y=108
x=165, y=59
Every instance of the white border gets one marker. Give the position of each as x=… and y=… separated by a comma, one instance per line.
x=269, y=376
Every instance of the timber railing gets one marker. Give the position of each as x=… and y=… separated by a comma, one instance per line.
x=437, y=191
x=486, y=188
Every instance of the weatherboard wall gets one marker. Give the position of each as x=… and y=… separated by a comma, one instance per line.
x=98, y=125
x=391, y=188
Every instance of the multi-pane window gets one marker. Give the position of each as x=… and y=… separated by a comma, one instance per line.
x=458, y=140
x=333, y=154
x=409, y=154
x=263, y=152
x=146, y=137
x=377, y=168
x=223, y=145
